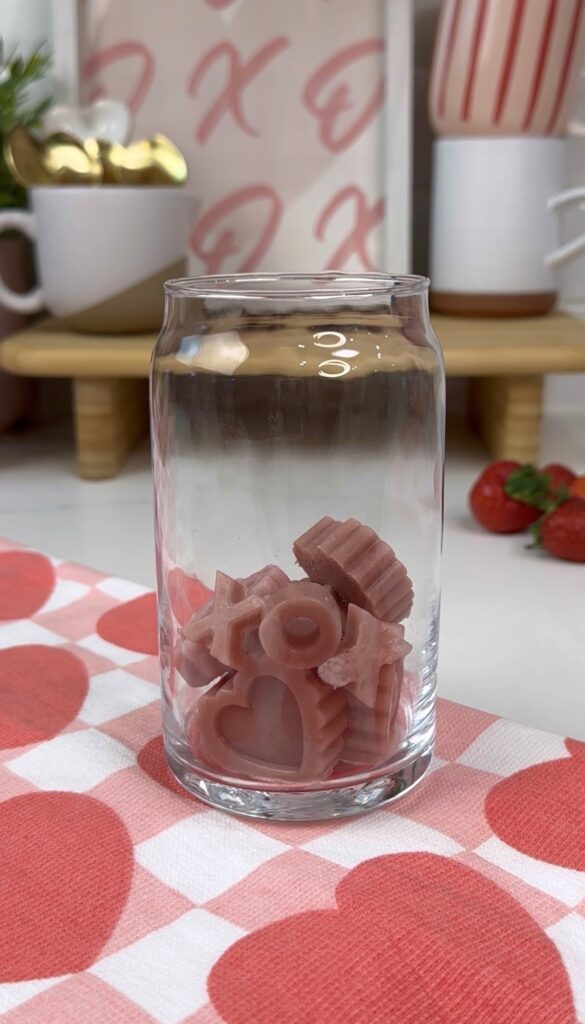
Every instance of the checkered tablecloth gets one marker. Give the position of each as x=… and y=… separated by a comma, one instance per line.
x=124, y=900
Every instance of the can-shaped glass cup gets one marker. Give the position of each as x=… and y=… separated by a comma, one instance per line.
x=298, y=451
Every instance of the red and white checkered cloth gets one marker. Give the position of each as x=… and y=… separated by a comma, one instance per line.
x=124, y=900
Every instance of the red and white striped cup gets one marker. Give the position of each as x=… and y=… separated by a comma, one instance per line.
x=506, y=67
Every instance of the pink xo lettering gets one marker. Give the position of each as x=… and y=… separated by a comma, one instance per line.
x=365, y=220
x=329, y=102
x=239, y=76
x=214, y=242
x=113, y=54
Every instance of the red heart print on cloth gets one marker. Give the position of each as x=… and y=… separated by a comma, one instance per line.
x=576, y=749
x=27, y=580
x=416, y=937
x=132, y=625
x=41, y=690
x=530, y=810
x=186, y=594
x=153, y=763
x=66, y=865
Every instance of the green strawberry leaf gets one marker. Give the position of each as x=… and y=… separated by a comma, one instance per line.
x=527, y=485
x=535, y=530
x=563, y=494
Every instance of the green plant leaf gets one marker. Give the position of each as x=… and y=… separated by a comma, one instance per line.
x=16, y=109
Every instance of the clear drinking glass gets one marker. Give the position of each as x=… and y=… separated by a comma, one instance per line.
x=298, y=448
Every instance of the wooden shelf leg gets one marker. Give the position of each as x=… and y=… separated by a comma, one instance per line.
x=506, y=412
x=111, y=415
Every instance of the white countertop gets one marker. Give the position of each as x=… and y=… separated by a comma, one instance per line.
x=513, y=621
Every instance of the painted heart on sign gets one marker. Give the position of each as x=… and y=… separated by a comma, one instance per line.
x=416, y=937
x=66, y=865
x=41, y=691
x=530, y=809
x=27, y=580
x=132, y=625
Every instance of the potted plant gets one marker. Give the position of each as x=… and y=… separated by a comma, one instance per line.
x=17, y=75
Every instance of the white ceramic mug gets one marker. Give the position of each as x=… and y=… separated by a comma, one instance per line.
x=492, y=228
x=568, y=259
x=102, y=253
x=577, y=245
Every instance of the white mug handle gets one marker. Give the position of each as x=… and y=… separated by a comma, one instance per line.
x=19, y=302
x=577, y=245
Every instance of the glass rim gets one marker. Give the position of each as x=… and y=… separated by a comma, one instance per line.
x=293, y=286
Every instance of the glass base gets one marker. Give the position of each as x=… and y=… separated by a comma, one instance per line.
x=305, y=805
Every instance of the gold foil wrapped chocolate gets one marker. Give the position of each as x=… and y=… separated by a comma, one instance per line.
x=63, y=159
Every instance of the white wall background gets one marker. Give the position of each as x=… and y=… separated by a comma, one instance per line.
x=24, y=24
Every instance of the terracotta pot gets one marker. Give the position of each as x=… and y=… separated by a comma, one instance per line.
x=16, y=268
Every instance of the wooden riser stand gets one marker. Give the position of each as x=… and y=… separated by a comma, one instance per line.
x=505, y=359
x=506, y=413
x=110, y=418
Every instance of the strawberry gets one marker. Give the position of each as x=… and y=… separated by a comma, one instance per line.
x=562, y=531
x=559, y=477
x=577, y=487
x=508, y=497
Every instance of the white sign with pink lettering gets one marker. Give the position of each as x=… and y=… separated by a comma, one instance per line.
x=295, y=119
